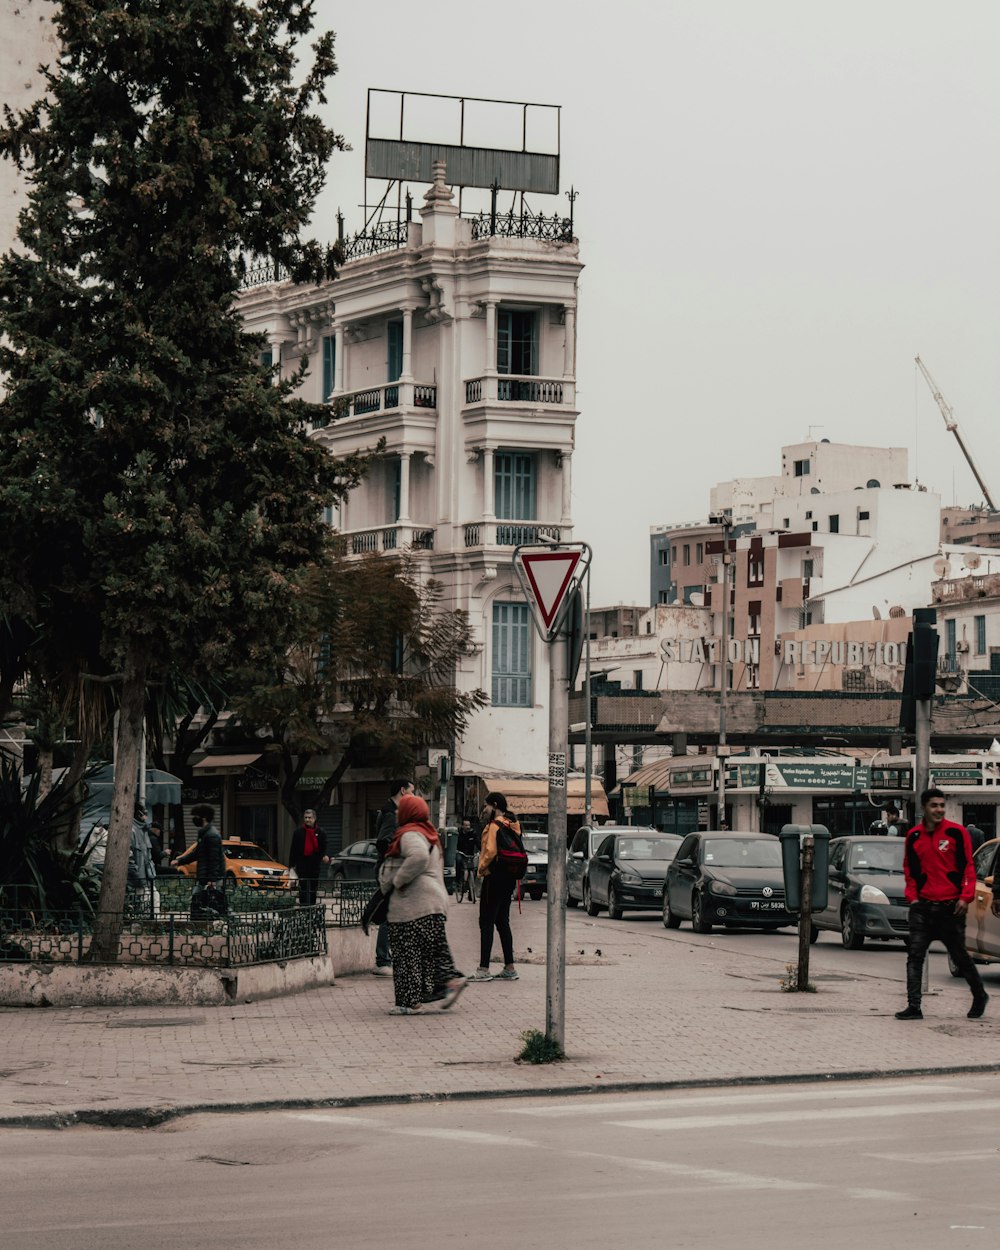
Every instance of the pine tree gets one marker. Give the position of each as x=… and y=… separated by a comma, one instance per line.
x=156, y=486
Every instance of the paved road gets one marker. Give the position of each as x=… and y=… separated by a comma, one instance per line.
x=908, y=1163
x=644, y=1006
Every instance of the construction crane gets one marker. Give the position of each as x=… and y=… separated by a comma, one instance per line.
x=952, y=425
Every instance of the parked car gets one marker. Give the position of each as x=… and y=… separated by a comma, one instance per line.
x=866, y=891
x=248, y=864
x=585, y=842
x=534, y=881
x=627, y=872
x=982, y=928
x=356, y=862
x=731, y=879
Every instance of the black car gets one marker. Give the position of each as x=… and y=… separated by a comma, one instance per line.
x=626, y=872
x=356, y=862
x=731, y=879
x=866, y=891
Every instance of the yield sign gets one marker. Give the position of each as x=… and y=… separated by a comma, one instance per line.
x=549, y=576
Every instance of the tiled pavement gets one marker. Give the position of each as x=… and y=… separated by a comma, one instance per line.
x=644, y=1006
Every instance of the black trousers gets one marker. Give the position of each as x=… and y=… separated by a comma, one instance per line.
x=308, y=885
x=937, y=921
x=494, y=913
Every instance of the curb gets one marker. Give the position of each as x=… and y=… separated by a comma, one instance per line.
x=153, y=1117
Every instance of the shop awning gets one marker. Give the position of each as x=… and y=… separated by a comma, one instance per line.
x=531, y=795
x=225, y=765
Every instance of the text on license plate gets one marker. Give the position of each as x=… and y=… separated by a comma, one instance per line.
x=757, y=905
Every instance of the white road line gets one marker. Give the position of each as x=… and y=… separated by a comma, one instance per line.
x=711, y=1176
x=878, y=1111
x=936, y=1157
x=464, y=1135
x=827, y=1093
x=332, y=1117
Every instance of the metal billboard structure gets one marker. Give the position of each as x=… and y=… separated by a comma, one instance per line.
x=397, y=149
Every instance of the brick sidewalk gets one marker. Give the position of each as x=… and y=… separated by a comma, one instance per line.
x=644, y=1006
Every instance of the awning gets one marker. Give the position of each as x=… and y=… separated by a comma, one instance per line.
x=225, y=765
x=531, y=795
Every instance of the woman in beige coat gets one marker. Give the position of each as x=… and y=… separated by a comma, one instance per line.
x=423, y=970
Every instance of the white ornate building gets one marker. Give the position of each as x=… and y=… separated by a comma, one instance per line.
x=458, y=347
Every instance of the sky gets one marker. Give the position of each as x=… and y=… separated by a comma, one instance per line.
x=781, y=203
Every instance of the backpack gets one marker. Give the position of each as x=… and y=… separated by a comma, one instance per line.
x=511, y=855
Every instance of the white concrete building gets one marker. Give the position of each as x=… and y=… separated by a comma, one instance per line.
x=459, y=349
x=27, y=40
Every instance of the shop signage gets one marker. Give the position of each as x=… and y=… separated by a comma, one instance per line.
x=808, y=651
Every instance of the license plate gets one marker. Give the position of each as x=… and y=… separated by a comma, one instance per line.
x=756, y=905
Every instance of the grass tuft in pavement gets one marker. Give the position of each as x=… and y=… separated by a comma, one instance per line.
x=539, y=1049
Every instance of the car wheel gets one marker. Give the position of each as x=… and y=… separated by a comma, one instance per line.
x=615, y=911
x=588, y=900
x=813, y=934
x=670, y=921
x=230, y=875
x=698, y=921
x=571, y=901
x=849, y=934
x=536, y=895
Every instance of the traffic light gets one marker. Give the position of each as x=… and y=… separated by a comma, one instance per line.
x=925, y=652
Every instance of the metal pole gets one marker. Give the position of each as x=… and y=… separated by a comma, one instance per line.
x=723, y=682
x=805, y=912
x=555, y=963
x=588, y=744
x=922, y=755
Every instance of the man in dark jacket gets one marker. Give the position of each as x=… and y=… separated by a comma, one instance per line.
x=209, y=854
x=307, y=853
x=940, y=885
x=385, y=831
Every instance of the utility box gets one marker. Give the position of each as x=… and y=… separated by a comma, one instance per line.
x=791, y=864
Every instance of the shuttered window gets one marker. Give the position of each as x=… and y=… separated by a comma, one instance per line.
x=511, y=655
x=514, y=486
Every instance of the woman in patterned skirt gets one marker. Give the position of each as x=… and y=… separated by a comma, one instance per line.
x=423, y=970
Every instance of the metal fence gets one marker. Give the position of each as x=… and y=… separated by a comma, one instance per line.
x=177, y=926
x=344, y=901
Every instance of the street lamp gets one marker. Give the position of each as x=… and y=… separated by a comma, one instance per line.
x=725, y=521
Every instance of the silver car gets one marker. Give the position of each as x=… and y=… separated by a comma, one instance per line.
x=582, y=849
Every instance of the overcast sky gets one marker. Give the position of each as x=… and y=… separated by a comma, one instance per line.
x=781, y=203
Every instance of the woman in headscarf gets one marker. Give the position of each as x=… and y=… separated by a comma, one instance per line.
x=423, y=970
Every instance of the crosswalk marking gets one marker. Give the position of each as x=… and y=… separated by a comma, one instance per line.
x=827, y=1093
x=880, y=1111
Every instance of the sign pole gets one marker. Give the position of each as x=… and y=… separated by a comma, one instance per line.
x=555, y=964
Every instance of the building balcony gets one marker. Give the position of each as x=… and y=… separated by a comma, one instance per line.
x=957, y=589
x=512, y=533
x=395, y=537
x=402, y=413
x=508, y=389
x=392, y=397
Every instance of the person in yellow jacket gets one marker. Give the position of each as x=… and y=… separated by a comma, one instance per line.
x=497, y=891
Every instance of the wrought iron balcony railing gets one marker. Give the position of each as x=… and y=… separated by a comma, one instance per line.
x=388, y=538
x=509, y=533
x=393, y=397
x=506, y=389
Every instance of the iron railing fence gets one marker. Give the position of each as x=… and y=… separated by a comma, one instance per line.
x=181, y=926
x=344, y=901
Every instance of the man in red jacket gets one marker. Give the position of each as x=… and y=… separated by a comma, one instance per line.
x=940, y=885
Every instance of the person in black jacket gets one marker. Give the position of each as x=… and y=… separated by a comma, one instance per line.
x=209, y=854
x=308, y=852
x=385, y=831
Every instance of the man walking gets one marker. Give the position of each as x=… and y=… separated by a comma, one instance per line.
x=940, y=885
x=385, y=831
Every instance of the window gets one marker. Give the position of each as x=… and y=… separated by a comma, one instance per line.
x=950, y=647
x=807, y=569
x=517, y=342
x=394, y=350
x=801, y=468
x=864, y=516
x=267, y=357
x=674, y=554
x=755, y=572
x=687, y=553
x=785, y=522
x=699, y=553
x=815, y=526
x=664, y=554
x=329, y=365
x=511, y=655
x=395, y=488
x=753, y=623
x=809, y=516
x=835, y=525
x=980, y=624
x=662, y=597
x=514, y=486
x=637, y=679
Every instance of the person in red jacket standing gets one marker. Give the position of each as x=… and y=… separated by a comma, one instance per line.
x=940, y=885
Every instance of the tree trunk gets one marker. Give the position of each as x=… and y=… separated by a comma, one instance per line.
x=44, y=771
x=110, y=908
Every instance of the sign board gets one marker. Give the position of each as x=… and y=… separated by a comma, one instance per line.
x=557, y=770
x=548, y=577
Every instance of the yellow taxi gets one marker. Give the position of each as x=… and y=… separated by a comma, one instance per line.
x=247, y=864
x=982, y=928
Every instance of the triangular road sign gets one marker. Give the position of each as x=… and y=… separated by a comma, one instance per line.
x=549, y=575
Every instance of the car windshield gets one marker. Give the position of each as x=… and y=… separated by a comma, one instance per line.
x=882, y=855
x=743, y=852
x=536, y=843
x=247, y=850
x=648, y=848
